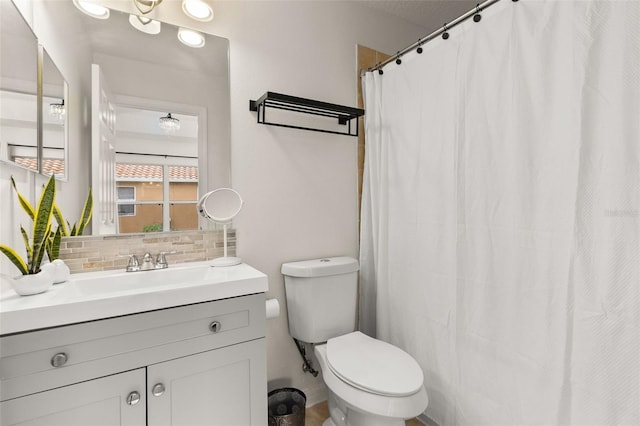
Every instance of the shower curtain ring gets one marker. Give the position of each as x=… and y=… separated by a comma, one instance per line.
x=445, y=34
x=477, y=17
x=398, y=60
x=419, y=49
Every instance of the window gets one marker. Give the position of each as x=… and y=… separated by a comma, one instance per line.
x=126, y=193
x=156, y=197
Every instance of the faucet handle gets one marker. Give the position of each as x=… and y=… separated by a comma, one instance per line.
x=161, y=260
x=133, y=264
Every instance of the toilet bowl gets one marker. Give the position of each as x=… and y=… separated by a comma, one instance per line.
x=370, y=382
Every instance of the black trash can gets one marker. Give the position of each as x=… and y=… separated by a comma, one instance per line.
x=286, y=407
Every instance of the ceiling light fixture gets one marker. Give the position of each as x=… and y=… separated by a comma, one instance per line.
x=190, y=37
x=169, y=124
x=146, y=6
x=93, y=10
x=146, y=25
x=198, y=10
x=58, y=111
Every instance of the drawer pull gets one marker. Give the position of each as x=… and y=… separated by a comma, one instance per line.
x=158, y=389
x=215, y=326
x=133, y=398
x=59, y=360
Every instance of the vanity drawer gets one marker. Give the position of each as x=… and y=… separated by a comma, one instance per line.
x=35, y=361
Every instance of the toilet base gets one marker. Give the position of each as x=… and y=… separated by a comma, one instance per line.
x=341, y=414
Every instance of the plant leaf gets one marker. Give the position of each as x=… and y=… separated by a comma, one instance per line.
x=42, y=223
x=38, y=254
x=87, y=212
x=54, y=251
x=57, y=213
x=26, y=205
x=15, y=259
x=25, y=237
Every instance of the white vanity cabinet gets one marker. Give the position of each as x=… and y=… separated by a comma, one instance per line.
x=100, y=401
x=199, y=364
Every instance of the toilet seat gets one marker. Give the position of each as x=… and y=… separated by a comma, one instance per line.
x=400, y=407
x=373, y=365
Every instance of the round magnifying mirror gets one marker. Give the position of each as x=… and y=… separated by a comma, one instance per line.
x=221, y=206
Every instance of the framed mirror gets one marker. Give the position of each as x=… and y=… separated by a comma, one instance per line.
x=18, y=89
x=54, y=119
x=127, y=69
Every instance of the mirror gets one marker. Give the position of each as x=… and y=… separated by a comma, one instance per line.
x=54, y=119
x=153, y=73
x=18, y=89
x=221, y=206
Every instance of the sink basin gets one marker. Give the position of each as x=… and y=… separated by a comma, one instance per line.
x=96, y=284
x=96, y=295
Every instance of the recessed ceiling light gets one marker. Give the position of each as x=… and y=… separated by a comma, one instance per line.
x=146, y=25
x=190, y=38
x=198, y=10
x=93, y=10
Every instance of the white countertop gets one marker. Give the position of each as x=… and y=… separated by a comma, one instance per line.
x=97, y=295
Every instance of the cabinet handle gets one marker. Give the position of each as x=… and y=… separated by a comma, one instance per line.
x=59, y=360
x=133, y=398
x=158, y=389
x=215, y=326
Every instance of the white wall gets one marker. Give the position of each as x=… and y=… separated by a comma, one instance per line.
x=299, y=187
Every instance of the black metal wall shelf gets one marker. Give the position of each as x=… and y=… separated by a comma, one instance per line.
x=345, y=115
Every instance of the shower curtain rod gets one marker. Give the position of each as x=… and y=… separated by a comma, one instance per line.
x=447, y=26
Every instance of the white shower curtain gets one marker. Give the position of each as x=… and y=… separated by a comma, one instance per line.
x=501, y=214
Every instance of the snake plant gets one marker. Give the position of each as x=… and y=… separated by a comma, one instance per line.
x=66, y=230
x=36, y=245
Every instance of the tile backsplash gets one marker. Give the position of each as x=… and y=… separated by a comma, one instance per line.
x=104, y=252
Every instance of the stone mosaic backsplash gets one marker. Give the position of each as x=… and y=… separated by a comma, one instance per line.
x=105, y=252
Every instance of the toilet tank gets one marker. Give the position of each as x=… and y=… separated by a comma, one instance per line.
x=321, y=297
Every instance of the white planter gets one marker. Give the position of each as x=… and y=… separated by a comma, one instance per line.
x=26, y=285
x=58, y=269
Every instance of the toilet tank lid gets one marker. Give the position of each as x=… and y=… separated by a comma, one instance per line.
x=320, y=267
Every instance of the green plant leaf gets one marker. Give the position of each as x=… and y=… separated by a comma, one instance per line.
x=87, y=212
x=25, y=237
x=26, y=206
x=54, y=248
x=15, y=259
x=62, y=224
x=38, y=254
x=42, y=223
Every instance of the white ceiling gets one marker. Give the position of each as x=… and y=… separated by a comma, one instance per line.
x=430, y=14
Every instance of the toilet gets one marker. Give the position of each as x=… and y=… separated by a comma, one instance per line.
x=370, y=382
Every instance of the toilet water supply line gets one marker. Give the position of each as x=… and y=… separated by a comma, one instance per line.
x=307, y=366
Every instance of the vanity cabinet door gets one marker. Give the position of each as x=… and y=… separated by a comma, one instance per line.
x=109, y=401
x=223, y=387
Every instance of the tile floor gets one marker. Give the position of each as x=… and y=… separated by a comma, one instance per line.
x=314, y=416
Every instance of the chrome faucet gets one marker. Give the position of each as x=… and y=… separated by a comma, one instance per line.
x=161, y=260
x=148, y=263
